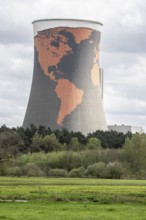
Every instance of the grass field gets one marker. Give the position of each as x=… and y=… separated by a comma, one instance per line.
x=62, y=199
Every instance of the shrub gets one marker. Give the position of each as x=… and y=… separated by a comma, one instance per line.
x=79, y=172
x=37, y=142
x=115, y=170
x=51, y=143
x=93, y=143
x=70, y=160
x=110, y=155
x=96, y=170
x=10, y=143
x=89, y=157
x=31, y=169
x=15, y=171
x=57, y=173
x=55, y=160
x=134, y=153
x=23, y=159
x=3, y=169
x=74, y=144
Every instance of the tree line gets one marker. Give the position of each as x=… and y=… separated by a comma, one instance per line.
x=33, y=139
x=43, y=152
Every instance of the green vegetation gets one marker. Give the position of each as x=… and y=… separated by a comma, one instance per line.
x=35, y=139
x=72, y=198
x=70, y=189
x=40, y=152
x=71, y=211
x=75, y=159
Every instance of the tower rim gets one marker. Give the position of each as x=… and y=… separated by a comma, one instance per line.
x=68, y=19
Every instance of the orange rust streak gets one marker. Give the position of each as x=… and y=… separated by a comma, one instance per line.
x=80, y=34
x=70, y=97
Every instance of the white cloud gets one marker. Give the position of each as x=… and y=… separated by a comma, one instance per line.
x=123, y=54
x=125, y=89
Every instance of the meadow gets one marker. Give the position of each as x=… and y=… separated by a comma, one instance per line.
x=71, y=198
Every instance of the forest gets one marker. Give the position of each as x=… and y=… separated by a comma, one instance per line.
x=60, y=153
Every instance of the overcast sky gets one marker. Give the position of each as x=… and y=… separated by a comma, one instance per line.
x=122, y=54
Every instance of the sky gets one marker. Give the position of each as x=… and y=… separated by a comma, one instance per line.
x=122, y=54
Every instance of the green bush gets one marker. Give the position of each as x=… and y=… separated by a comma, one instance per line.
x=110, y=155
x=74, y=144
x=31, y=169
x=70, y=160
x=115, y=170
x=79, y=172
x=94, y=162
x=93, y=143
x=23, y=159
x=3, y=169
x=89, y=157
x=51, y=143
x=57, y=173
x=134, y=154
x=10, y=144
x=96, y=170
x=15, y=171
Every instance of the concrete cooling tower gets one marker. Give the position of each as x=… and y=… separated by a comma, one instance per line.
x=66, y=89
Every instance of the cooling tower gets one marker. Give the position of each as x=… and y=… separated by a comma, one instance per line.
x=66, y=89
